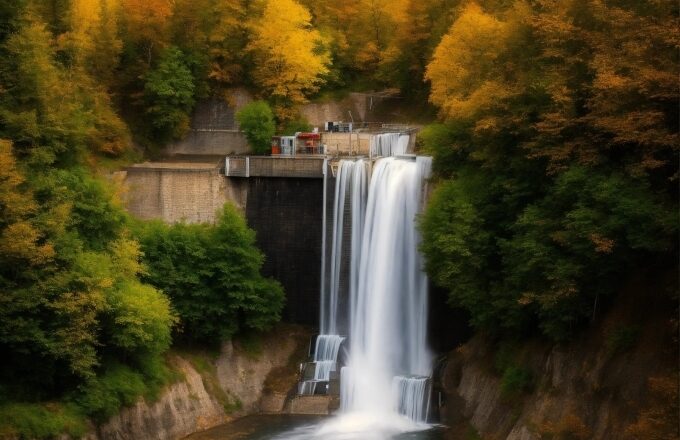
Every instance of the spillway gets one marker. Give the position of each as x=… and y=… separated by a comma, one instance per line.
x=388, y=309
x=375, y=299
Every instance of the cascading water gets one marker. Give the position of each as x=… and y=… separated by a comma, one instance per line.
x=326, y=351
x=389, y=144
x=352, y=181
x=412, y=396
x=389, y=308
x=385, y=387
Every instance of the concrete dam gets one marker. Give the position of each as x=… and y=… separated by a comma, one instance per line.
x=282, y=199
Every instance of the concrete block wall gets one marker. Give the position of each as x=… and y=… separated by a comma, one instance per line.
x=214, y=129
x=344, y=143
x=210, y=142
x=175, y=194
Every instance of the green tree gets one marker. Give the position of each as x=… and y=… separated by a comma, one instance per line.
x=169, y=91
x=212, y=275
x=256, y=119
x=70, y=296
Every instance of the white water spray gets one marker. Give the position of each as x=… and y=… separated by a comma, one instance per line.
x=385, y=387
x=352, y=182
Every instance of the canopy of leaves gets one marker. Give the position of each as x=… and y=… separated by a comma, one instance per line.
x=212, y=275
x=70, y=292
x=169, y=90
x=557, y=154
x=290, y=56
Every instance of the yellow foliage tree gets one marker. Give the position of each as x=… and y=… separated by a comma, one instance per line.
x=21, y=243
x=290, y=57
x=463, y=70
x=146, y=23
x=96, y=47
x=339, y=23
x=217, y=30
x=93, y=38
x=581, y=79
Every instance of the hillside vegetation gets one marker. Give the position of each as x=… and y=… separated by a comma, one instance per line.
x=556, y=158
x=555, y=155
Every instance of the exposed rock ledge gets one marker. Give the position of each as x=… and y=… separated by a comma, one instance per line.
x=597, y=387
x=243, y=380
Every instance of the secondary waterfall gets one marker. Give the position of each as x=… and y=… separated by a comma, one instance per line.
x=389, y=144
x=352, y=181
x=351, y=190
x=326, y=351
x=412, y=396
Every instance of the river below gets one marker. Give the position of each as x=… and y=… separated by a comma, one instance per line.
x=290, y=427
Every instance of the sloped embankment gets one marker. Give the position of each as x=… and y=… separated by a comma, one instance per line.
x=618, y=380
x=247, y=376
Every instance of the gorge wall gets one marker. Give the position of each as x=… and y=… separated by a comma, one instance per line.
x=243, y=378
x=618, y=380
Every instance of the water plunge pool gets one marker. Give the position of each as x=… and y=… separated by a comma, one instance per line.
x=296, y=427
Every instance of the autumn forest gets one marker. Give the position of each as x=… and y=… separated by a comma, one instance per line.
x=553, y=124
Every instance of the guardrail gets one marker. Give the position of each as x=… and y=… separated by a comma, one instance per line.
x=274, y=166
x=237, y=166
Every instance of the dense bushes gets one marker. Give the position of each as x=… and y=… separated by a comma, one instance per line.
x=83, y=321
x=69, y=282
x=211, y=273
x=41, y=421
x=72, y=309
x=120, y=385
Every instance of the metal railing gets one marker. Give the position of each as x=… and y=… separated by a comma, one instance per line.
x=274, y=166
x=237, y=166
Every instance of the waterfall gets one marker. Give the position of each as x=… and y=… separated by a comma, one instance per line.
x=389, y=144
x=388, y=309
x=327, y=347
x=411, y=396
x=385, y=386
x=352, y=180
x=325, y=361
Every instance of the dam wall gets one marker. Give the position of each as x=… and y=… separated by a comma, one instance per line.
x=214, y=128
x=176, y=192
x=285, y=213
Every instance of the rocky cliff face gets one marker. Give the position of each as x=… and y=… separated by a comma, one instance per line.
x=617, y=381
x=184, y=407
x=237, y=382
